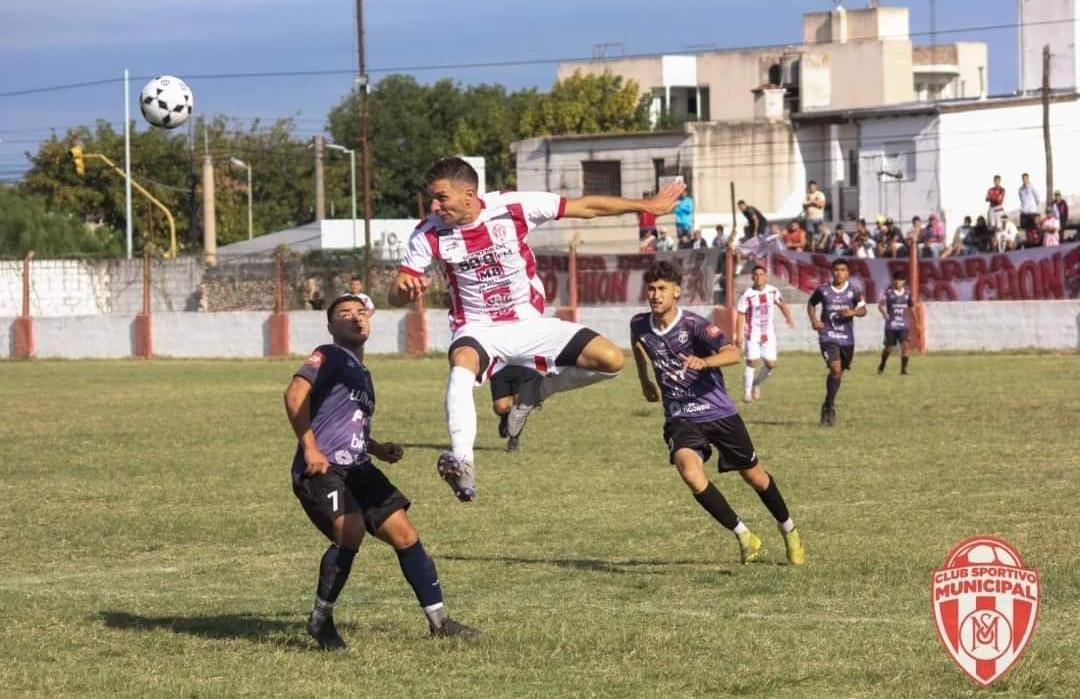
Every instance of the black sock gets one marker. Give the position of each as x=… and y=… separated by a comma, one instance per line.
x=715, y=504
x=832, y=385
x=884, y=358
x=774, y=501
x=333, y=572
x=419, y=570
x=903, y=363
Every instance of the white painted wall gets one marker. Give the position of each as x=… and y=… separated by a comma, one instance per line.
x=957, y=326
x=908, y=144
x=1049, y=22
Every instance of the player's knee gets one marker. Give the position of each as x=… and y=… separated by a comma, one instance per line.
x=752, y=363
x=502, y=406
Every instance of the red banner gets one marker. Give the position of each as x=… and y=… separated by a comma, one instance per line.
x=1033, y=273
x=617, y=280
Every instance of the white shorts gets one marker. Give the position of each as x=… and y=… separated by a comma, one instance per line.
x=756, y=349
x=534, y=343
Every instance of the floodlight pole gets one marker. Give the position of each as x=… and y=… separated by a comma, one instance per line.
x=362, y=84
x=352, y=183
x=127, y=162
x=240, y=163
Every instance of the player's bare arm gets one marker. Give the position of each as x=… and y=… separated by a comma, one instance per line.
x=786, y=310
x=740, y=326
x=725, y=356
x=884, y=313
x=648, y=388
x=811, y=311
x=298, y=409
x=853, y=312
x=406, y=289
x=389, y=452
x=663, y=202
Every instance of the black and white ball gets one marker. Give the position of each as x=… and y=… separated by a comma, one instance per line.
x=166, y=101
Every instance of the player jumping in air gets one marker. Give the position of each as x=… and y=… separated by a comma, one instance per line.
x=686, y=353
x=840, y=302
x=894, y=304
x=506, y=383
x=497, y=300
x=755, y=326
x=330, y=402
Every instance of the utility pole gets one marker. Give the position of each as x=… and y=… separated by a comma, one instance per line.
x=362, y=86
x=1046, y=122
x=320, y=189
x=209, y=212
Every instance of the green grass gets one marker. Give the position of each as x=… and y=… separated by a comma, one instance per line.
x=151, y=544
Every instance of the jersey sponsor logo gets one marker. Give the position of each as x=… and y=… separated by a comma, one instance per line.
x=492, y=272
x=985, y=604
x=316, y=359
x=343, y=457
x=498, y=297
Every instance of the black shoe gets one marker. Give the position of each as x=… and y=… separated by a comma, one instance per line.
x=453, y=628
x=325, y=633
x=512, y=444
x=828, y=416
x=904, y=372
x=880, y=369
x=504, y=431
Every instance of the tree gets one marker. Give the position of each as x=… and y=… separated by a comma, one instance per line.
x=26, y=224
x=583, y=104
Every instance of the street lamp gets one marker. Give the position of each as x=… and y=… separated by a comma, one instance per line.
x=352, y=184
x=240, y=163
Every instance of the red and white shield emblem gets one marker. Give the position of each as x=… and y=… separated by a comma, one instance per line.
x=985, y=606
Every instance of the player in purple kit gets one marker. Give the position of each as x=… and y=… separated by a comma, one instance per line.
x=329, y=403
x=840, y=303
x=894, y=304
x=686, y=353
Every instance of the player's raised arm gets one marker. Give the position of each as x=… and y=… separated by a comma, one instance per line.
x=406, y=288
x=663, y=202
x=298, y=410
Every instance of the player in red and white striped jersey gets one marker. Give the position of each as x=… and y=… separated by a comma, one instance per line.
x=756, y=328
x=497, y=300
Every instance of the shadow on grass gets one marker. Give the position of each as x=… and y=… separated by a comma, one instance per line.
x=780, y=423
x=445, y=447
x=251, y=627
x=598, y=565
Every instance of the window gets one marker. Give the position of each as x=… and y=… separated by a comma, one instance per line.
x=601, y=177
x=853, y=167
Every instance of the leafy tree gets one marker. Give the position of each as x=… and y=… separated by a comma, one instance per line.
x=583, y=104
x=26, y=224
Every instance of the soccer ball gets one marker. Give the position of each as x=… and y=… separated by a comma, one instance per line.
x=984, y=552
x=166, y=101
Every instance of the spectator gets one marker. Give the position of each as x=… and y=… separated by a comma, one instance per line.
x=961, y=243
x=648, y=245
x=684, y=242
x=684, y=214
x=934, y=242
x=1051, y=228
x=646, y=222
x=819, y=241
x=697, y=242
x=1061, y=208
x=840, y=243
x=721, y=238
x=814, y=206
x=1006, y=235
x=313, y=294
x=983, y=235
x=862, y=243
x=914, y=237
x=356, y=288
x=995, y=197
x=1029, y=203
x=795, y=238
x=664, y=243
x=756, y=223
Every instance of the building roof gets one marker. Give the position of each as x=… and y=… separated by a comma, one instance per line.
x=938, y=107
x=301, y=239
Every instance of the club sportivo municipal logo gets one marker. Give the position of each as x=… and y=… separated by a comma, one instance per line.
x=985, y=605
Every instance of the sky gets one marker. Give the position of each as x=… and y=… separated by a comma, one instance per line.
x=50, y=43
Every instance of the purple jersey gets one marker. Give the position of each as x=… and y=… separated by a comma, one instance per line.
x=697, y=396
x=342, y=402
x=837, y=329
x=896, y=305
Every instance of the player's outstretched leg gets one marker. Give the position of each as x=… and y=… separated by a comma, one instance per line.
x=587, y=359
x=761, y=377
x=456, y=466
x=903, y=361
x=692, y=470
x=765, y=486
x=334, y=569
x=884, y=358
x=748, y=380
x=832, y=386
x=419, y=571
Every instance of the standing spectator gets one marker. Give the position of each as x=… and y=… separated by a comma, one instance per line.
x=961, y=240
x=646, y=221
x=697, y=242
x=795, y=238
x=664, y=243
x=721, y=238
x=1006, y=235
x=934, y=242
x=1061, y=208
x=840, y=244
x=1029, y=203
x=995, y=197
x=684, y=214
x=814, y=206
x=756, y=223
x=983, y=235
x=1051, y=228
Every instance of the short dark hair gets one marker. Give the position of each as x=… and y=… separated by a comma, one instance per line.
x=900, y=275
x=741, y=201
x=839, y=226
x=663, y=271
x=1025, y=175
x=356, y=278
x=997, y=177
x=453, y=169
x=340, y=300
x=839, y=262
x=811, y=182
x=757, y=267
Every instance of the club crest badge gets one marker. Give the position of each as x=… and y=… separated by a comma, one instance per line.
x=985, y=605
x=683, y=336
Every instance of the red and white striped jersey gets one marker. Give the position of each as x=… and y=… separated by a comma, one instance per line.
x=489, y=266
x=760, y=310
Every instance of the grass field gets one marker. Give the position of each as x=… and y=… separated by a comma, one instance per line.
x=151, y=545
